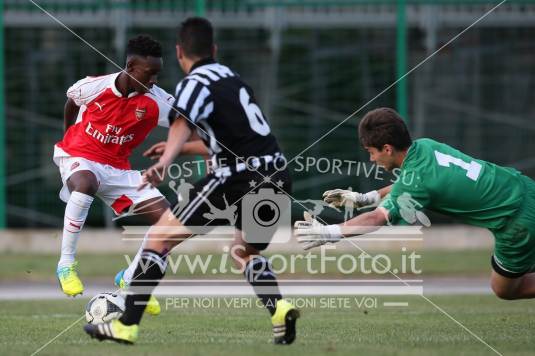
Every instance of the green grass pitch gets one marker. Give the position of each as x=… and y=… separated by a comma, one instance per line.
x=21, y=267
x=418, y=329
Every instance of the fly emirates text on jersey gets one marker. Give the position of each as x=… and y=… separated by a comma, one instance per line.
x=110, y=136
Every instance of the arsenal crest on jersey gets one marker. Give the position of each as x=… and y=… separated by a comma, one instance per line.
x=140, y=113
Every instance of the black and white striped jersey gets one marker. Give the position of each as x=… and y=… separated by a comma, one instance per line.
x=215, y=99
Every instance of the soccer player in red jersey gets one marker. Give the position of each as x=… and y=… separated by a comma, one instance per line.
x=106, y=117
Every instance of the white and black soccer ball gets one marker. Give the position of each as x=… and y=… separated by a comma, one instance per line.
x=104, y=307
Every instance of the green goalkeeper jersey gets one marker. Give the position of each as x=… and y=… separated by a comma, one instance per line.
x=438, y=177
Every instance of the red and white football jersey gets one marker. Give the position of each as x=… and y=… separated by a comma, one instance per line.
x=109, y=126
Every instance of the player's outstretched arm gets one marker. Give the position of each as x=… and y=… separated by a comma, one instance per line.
x=383, y=192
x=311, y=233
x=155, y=151
x=341, y=197
x=196, y=147
x=365, y=223
x=192, y=147
x=179, y=133
x=70, y=112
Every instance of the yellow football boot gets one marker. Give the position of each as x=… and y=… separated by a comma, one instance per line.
x=69, y=281
x=284, y=321
x=113, y=330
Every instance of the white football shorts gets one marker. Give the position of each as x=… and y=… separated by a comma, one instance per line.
x=118, y=188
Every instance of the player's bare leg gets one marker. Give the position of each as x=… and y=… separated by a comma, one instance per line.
x=151, y=210
x=258, y=273
x=84, y=182
x=242, y=251
x=513, y=288
x=82, y=185
x=163, y=237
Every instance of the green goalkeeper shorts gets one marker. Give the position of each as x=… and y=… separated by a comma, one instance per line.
x=514, y=251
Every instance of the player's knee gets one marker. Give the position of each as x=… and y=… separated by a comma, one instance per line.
x=89, y=188
x=153, y=209
x=503, y=292
x=505, y=295
x=86, y=184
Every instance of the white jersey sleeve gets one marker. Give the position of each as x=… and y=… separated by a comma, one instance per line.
x=87, y=89
x=165, y=103
x=193, y=99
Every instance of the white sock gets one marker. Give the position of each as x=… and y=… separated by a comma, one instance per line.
x=129, y=272
x=75, y=215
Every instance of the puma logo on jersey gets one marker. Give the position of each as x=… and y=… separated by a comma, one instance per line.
x=99, y=106
x=140, y=113
x=75, y=165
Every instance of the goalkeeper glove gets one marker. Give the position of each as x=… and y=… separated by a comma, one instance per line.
x=339, y=197
x=311, y=233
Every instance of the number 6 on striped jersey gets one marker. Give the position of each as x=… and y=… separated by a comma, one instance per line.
x=254, y=114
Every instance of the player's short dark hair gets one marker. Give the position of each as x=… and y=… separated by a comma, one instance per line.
x=384, y=126
x=144, y=45
x=196, y=37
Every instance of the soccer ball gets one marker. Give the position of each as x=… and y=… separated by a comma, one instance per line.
x=104, y=307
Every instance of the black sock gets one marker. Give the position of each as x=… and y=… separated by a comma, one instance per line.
x=259, y=275
x=149, y=271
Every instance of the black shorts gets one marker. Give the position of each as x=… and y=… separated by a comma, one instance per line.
x=242, y=199
x=502, y=271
